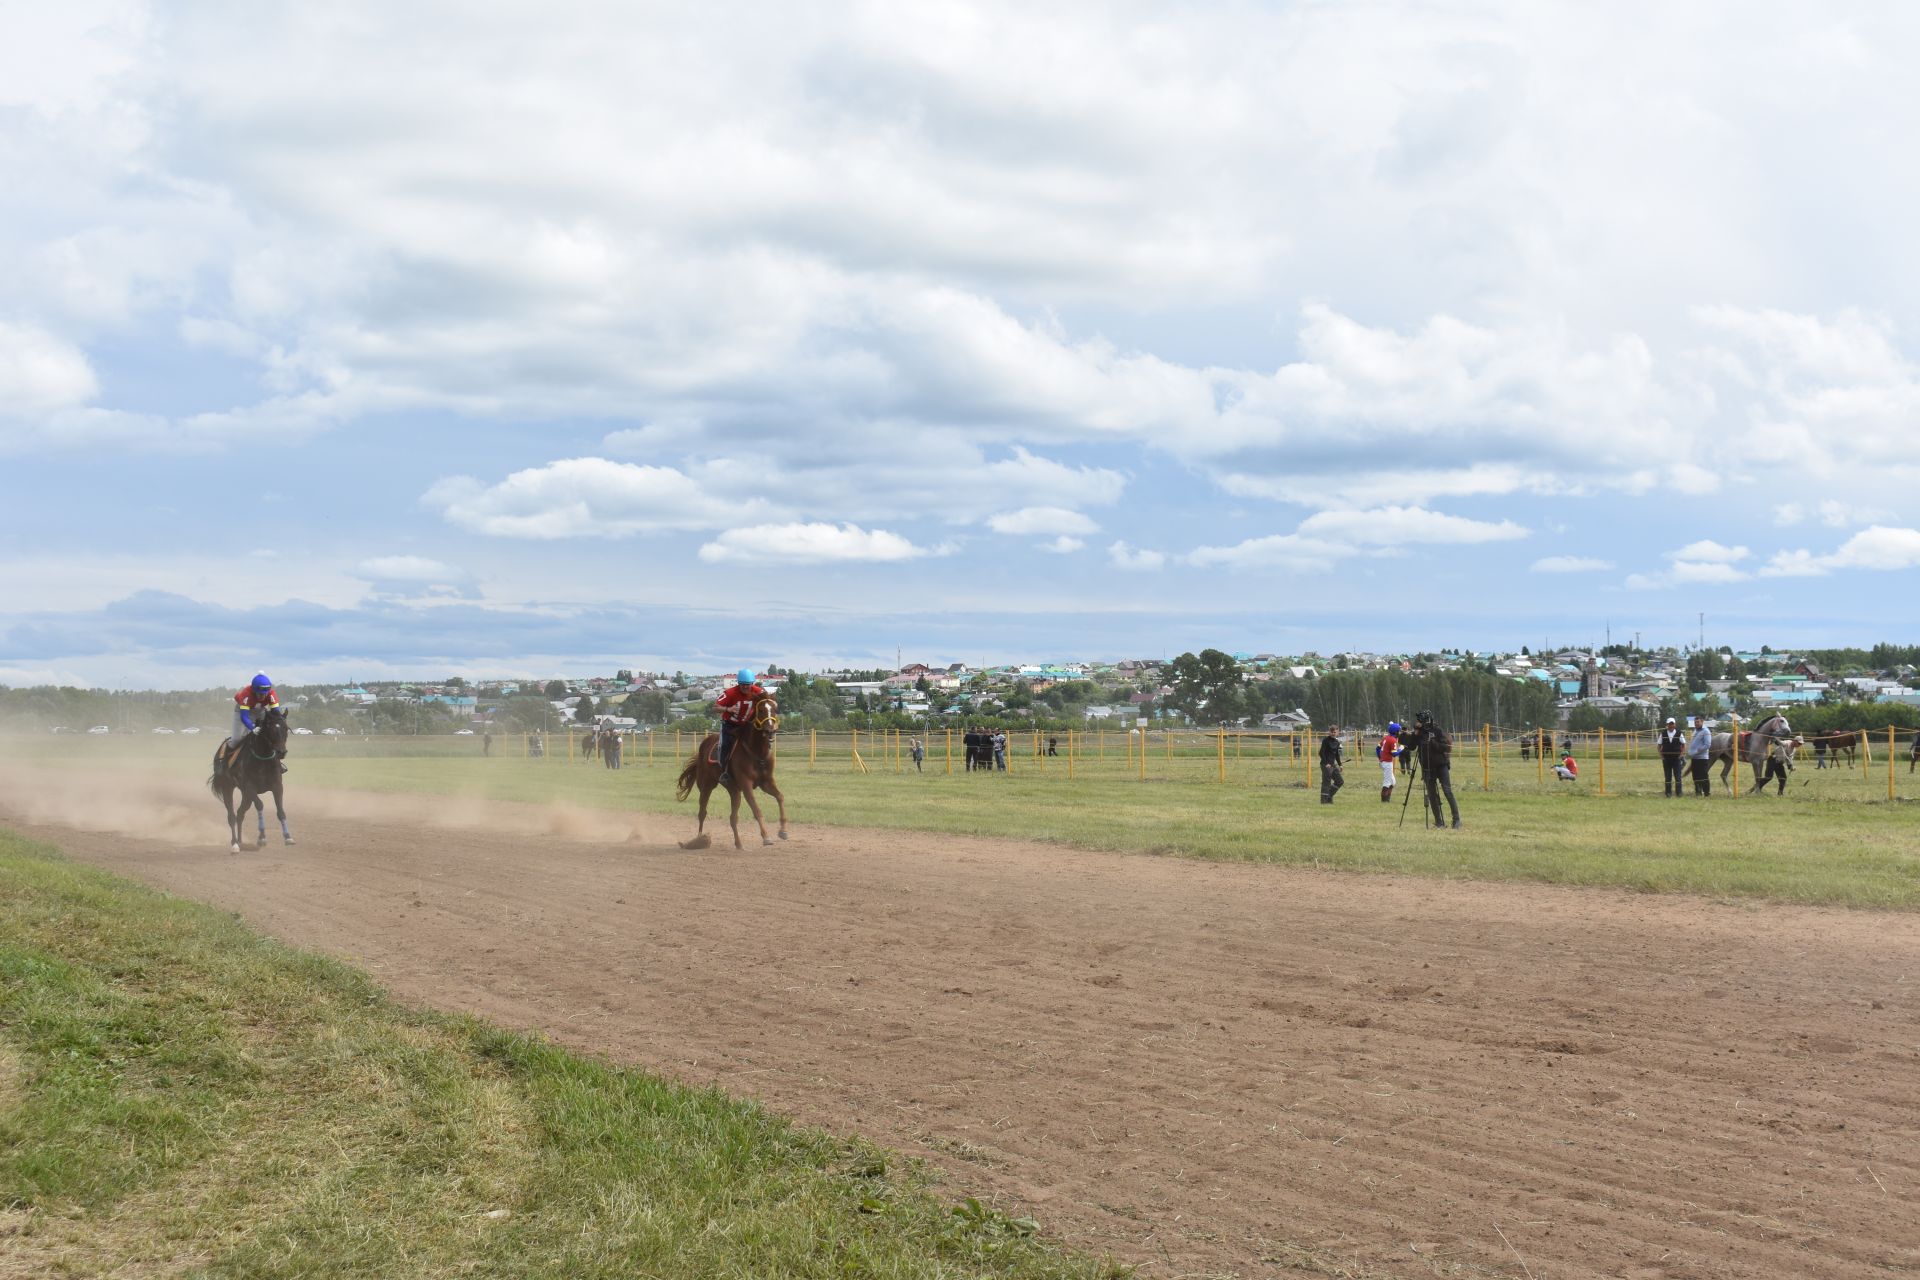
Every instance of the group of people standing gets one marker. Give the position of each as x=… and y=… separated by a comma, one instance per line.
x=986, y=750
x=1427, y=750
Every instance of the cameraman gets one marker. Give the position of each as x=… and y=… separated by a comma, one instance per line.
x=1429, y=744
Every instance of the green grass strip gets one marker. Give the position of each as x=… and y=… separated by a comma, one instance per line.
x=179, y=1094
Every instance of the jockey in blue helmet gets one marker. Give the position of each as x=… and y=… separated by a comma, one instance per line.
x=736, y=710
x=256, y=699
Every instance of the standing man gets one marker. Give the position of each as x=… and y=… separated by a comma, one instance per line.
x=1386, y=753
x=1673, y=755
x=919, y=752
x=1000, y=750
x=1700, y=756
x=1434, y=750
x=1331, y=758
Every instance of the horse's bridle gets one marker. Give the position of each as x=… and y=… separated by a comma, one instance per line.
x=765, y=717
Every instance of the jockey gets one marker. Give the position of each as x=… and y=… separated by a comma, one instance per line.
x=256, y=698
x=1386, y=753
x=736, y=711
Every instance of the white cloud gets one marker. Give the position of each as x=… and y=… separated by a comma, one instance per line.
x=408, y=569
x=808, y=543
x=1289, y=551
x=1708, y=550
x=1124, y=556
x=40, y=374
x=1031, y=520
x=1831, y=512
x=1570, y=564
x=1064, y=545
x=1396, y=526
x=586, y=497
x=1879, y=548
x=1705, y=571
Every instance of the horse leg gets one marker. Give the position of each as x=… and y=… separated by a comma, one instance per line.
x=280, y=812
x=733, y=814
x=772, y=788
x=260, y=812
x=706, y=794
x=233, y=819
x=758, y=817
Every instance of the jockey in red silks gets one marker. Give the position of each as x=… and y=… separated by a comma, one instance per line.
x=736, y=710
x=253, y=700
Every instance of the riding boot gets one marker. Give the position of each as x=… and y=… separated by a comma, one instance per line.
x=1386, y=794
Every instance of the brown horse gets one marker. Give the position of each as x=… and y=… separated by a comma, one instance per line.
x=1847, y=741
x=749, y=768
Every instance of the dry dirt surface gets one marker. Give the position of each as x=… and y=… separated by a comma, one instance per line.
x=1203, y=1069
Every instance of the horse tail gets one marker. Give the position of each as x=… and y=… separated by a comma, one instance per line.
x=689, y=776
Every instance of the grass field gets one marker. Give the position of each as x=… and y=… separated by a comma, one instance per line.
x=1833, y=838
x=180, y=1096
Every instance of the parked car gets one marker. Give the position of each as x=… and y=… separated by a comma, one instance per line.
x=333, y=733
x=308, y=732
x=463, y=733
x=192, y=728
x=158, y=729
x=99, y=728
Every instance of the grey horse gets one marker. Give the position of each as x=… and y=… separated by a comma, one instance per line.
x=1769, y=739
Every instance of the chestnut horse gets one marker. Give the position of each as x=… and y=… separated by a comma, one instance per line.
x=750, y=768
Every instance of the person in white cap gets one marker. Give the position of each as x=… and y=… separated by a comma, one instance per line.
x=1673, y=757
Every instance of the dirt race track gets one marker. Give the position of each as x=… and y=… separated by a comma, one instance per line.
x=1201, y=1068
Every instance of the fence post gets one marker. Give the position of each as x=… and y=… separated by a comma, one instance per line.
x=1540, y=755
x=1304, y=736
x=1143, y=755
x=1486, y=757
x=949, y=752
x=813, y=746
x=1889, y=762
x=1603, y=759
x=1069, y=755
x=1220, y=753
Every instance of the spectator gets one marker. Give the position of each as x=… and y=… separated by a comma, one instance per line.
x=1673, y=757
x=1000, y=750
x=1567, y=770
x=918, y=750
x=1332, y=756
x=1700, y=756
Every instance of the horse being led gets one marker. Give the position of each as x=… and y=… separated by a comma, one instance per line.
x=1770, y=739
x=1845, y=742
x=252, y=766
x=750, y=768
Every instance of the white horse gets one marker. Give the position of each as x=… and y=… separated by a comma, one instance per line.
x=1770, y=739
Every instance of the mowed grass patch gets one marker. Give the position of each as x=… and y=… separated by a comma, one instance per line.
x=1814, y=845
x=179, y=1095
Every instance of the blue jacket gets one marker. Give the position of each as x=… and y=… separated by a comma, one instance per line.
x=1700, y=746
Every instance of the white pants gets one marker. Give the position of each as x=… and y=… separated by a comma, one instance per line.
x=1386, y=773
x=239, y=729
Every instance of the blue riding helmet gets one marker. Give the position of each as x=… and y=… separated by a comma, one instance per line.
x=745, y=675
x=261, y=682
x=1393, y=727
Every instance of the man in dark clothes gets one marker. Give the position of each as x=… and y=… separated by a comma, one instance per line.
x=1331, y=759
x=1673, y=757
x=1430, y=745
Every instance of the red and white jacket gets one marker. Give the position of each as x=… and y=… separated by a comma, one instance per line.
x=736, y=704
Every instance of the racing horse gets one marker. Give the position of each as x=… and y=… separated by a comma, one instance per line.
x=252, y=766
x=1770, y=738
x=750, y=768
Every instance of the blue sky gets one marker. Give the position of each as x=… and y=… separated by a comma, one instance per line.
x=368, y=340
